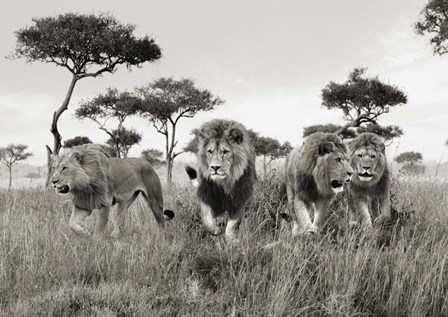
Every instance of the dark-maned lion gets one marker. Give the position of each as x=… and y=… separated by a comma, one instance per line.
x=314, y=173
x=96, y=181
x=226, y=163
x=370, y=184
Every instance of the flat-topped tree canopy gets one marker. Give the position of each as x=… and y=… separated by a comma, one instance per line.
x=85, y=44
x=362, y=99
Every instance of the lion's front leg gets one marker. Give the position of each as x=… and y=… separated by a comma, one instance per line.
x=360, y=205
x=302, y=220
x=75, y=222
x=321, y=214
x=208, y=219
x=233, y=224
x=384, y=207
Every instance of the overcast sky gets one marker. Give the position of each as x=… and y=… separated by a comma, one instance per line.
x=268, y=60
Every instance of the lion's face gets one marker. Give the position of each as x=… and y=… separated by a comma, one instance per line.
x=368, y=163
x=67, y=173
x=332, y=168
x=219, y=157
x=224, y=151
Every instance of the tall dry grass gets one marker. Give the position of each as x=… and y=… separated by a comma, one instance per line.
x=398, y=270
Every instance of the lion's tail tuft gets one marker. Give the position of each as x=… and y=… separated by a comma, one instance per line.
x=193, y=174
x=168, y=214
x=285, y=216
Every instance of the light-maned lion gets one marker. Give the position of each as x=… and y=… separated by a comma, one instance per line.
x=370, y=184
x=314, y=173
x=226, y=163
x=96, y=181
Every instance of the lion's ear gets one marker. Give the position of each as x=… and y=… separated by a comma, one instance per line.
x=235, y=135
x=76, y=156
x=199, y=133
x=382, y=148
x=325, y=148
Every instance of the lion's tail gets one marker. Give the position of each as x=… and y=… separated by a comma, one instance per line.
x=168, y=214
x=193, y=174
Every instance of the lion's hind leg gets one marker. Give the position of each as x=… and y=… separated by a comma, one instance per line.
x=101, y=220
x=122, y=207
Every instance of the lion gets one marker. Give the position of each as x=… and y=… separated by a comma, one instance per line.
x=226, y=163
x=314, y=174
x=93, y=180
x=370, y=184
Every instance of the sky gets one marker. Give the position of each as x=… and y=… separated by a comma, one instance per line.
x=268, y=60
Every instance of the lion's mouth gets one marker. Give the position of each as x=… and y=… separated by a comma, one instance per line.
x=218, y=176
x=64, y=189
x=366, y=176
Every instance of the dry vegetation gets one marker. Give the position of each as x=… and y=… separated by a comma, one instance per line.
x=398, y=270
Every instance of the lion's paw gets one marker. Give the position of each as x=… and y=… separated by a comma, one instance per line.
x=381, y=219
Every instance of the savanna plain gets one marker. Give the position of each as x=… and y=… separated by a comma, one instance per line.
x=397, y=270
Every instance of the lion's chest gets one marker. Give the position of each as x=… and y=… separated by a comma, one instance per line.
x=215, y=196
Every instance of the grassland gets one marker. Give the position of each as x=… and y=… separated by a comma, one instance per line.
x=398, y=270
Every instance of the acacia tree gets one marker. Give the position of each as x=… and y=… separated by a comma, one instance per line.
x=361, y=99
x=112, y=104
x=153, y=156
x=87, y=45
x=122, y=140
x=12, y=154
x=77, y=140
x=166, y=101
x=412, y=162
x=269, y=148
x=434, y=23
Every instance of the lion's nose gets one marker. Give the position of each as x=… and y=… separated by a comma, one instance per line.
x=366, y=167
x=215, y=167
x=53, y=182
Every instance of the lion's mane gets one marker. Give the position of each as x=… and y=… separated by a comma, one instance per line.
x=89, y=176
x=310, y=173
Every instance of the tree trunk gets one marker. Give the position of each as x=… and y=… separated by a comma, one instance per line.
x=117, y=149
x=169, y=171
x=265, y=167
x=54, y=126
x=10, y=177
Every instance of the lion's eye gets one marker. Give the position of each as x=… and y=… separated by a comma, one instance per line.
x=373, y=156
x=225, y=152
x=338, y=159
x=63, y=168
x=210, y=152
x=360, y=155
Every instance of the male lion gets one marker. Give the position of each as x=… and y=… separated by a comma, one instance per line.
x=226, y=162
x=371, y=181
x=314, y=173
x=96, y=181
